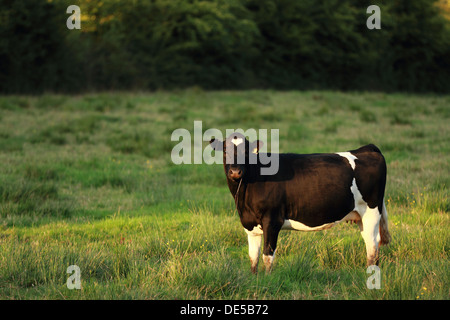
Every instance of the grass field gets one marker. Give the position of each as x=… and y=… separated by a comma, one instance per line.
x=88, y=180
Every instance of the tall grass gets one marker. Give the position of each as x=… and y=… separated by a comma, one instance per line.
x=87, y=180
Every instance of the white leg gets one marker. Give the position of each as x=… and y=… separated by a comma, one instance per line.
x=371, y=234
x=254, y=246
x=268, y=261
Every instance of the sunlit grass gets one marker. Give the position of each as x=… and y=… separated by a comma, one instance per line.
x=87, y=180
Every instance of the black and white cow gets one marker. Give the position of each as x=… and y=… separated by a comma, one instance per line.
x=310, y=192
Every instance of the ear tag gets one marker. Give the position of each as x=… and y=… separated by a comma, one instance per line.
x=255, y=150
x=237, y=141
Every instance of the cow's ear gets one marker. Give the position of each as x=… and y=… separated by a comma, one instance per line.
x=255, y=146
x=216, y=144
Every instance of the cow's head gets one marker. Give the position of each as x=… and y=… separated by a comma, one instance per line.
x=238, y=154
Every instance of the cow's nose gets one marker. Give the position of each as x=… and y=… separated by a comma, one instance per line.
x=235, y=173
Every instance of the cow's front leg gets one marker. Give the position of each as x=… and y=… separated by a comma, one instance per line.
x=270, y=245
x=254, y=246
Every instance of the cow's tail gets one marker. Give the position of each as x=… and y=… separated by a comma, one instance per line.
x=385, y=237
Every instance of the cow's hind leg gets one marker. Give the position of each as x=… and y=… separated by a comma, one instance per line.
x=370, y=232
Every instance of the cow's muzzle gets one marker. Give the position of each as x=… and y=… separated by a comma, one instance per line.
x=235, y=173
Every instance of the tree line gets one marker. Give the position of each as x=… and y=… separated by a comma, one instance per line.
x=224, y=44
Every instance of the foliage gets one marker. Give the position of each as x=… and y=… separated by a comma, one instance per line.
x=221, y=44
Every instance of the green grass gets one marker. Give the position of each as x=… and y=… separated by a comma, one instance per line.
x=88, y=180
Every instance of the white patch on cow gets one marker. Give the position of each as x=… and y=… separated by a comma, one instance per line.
x=350, y=157
x=268, y=261
x=369, y=224
x=237, y=141
x=290, y=224
x=370, y=232
x=360, y=204
x=254, y=245
x=257, y=230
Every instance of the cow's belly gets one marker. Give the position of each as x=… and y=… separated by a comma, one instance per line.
x=290, y=224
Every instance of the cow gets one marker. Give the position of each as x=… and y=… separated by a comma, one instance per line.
x=309, y=192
